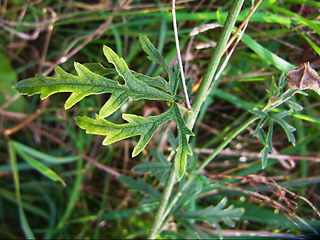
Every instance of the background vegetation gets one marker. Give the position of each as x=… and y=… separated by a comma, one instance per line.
x=278, y=201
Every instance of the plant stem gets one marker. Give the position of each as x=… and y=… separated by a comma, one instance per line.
x=159, y=218
x=163, y=211
x=214, y=63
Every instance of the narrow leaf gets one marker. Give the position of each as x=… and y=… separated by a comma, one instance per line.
x=44, y=170
x=288, y=130
x=23, y=220
x=272, y=58
x=156, y=57
x=259, y=125
x=183, y=148
x=154, y=54
x=43, y=156
x=264, y=156
x=295, y=106
x=269, y=136
x=141, y=186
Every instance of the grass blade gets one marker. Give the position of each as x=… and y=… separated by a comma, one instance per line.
x=23, y=220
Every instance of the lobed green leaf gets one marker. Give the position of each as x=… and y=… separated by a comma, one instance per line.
x=87, y=83
x=214, y=215
x=159, y=169
x=95, y=79
x=143, y=127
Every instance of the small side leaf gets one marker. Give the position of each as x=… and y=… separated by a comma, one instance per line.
x=286, y=126
x=142, y=187
x=264, y=156
x=159, y=169
x=156, y=57
x=183, y=148
x=143, y=127
x=294, y=106
x=214, y=215
x=154, y=54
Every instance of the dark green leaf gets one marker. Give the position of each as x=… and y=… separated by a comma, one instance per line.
x=159, y=169
x=264, y=156
x=141, y=186
x=214, y=215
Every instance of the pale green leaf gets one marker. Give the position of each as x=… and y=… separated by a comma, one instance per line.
x=156, y=82
x=94, y=79
x=143, y=127
x=264, y=53
x=87, y=83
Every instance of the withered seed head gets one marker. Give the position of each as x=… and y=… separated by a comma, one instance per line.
x=304, y=77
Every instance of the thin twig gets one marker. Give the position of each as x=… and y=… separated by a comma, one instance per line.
x=245, y=233
x=22, y=35
x=229, y=152
x=10, y=101
x=47, y=39
x=16, y=128
x=175, y=28
x=88, y=38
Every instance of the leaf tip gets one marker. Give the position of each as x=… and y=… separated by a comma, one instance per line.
x=135, y=152
x=180, y=164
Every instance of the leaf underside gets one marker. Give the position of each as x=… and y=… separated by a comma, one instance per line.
x=93, y=79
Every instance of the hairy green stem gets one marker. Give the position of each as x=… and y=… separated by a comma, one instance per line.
x=163, y=209
x=157, y=222
x=214, y=63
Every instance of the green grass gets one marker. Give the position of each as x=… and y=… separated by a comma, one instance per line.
x=40, y=156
